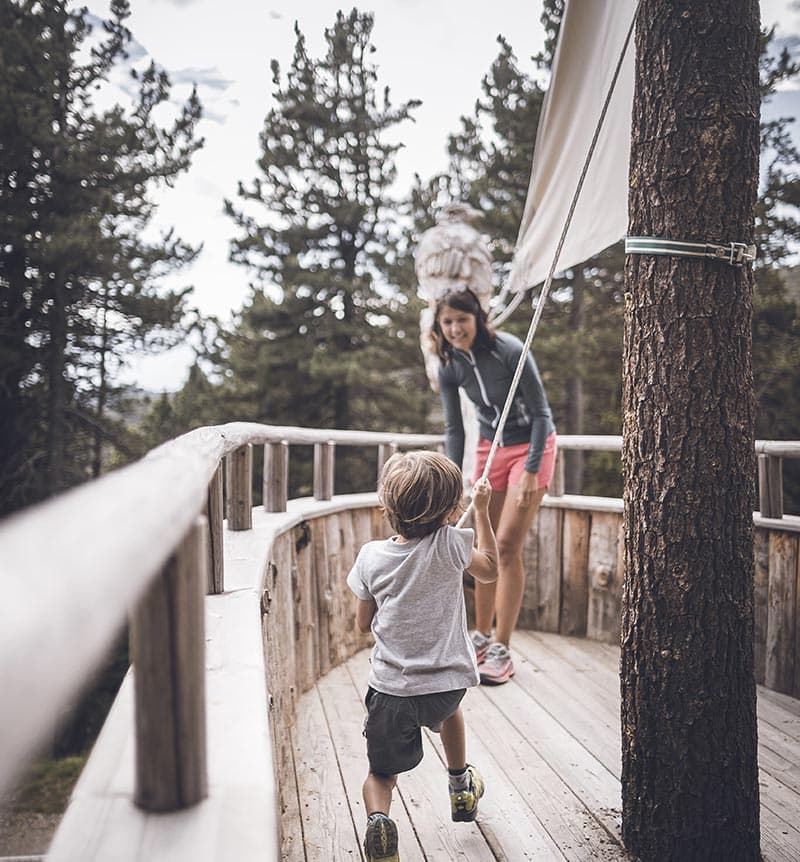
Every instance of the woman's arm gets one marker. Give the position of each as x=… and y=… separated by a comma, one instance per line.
x=453, y=421
x=527, y=488
x=531, y=389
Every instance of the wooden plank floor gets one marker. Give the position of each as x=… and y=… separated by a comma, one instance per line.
x=548, y=745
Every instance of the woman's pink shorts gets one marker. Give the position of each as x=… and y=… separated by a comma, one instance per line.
x=508, y=463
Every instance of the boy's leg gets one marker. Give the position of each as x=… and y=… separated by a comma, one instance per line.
x=452, y=734
x=380, y=838
x=466, y=784
x=377, y=792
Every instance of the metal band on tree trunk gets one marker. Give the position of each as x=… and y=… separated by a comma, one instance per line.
x=734, y=253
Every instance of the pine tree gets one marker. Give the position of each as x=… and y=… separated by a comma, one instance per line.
x=322, y=341
x=491, y=156
x=78, y=281
x=689, y=760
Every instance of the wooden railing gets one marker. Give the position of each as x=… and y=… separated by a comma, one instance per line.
x=148, y=540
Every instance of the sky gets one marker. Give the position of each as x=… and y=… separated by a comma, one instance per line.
x=433, y=50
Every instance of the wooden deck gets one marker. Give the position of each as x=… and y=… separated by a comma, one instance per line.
x=548, y=745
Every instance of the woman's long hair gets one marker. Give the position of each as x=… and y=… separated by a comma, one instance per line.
x=461, y=299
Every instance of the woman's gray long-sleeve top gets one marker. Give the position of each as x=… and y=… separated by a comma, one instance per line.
x=485, y=375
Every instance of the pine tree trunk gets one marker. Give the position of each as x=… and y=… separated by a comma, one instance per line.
x=57, y=388
x=102, y=391
x=15, y=479
x=573, y=459
x=689, y=772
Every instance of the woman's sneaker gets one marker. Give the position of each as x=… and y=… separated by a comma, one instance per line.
x=464, y=803
x=497, y=666
x=480, y=643
x=380, y=842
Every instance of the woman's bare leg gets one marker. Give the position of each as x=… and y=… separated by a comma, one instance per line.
x=511, y=529
x=485, y=593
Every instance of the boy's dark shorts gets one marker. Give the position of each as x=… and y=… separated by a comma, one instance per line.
x=392, y=726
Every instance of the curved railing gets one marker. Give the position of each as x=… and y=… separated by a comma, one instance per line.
x=147, y=540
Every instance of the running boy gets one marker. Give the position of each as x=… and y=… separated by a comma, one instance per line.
x=410, y=594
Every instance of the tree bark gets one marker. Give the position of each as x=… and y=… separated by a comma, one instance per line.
x=17, y=361
x=102, y=391
x=689, y=771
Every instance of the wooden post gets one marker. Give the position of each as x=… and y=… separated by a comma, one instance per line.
x=770, y=486
x=214, y=509
x=761, y=599
x=276, y=476
x=385, y=452
x=574, y=573
x=323, y=470
x=238, y=476
x=168, y=654
x=780, y=648
x=556, y=488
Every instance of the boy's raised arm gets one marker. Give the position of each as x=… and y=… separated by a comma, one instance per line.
x=483, y=565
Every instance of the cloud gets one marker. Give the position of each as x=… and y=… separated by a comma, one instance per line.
x=201, y=185
x=207, y=77
x=792, y=46
x=213, y=116
x=135, y=50
x=781, y=105
x=788, y=42
x=279, y=15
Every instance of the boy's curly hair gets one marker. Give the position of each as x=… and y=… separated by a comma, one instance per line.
x=418, y=491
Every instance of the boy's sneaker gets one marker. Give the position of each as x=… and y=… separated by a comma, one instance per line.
x=480, y=643
x=497, y=666
x=464, y=803
x=380, y=842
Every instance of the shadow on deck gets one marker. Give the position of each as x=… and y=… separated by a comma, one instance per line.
x=548, y=745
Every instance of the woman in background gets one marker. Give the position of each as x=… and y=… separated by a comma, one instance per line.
x=482, y=362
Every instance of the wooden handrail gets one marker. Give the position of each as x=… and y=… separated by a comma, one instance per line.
x=778, y=448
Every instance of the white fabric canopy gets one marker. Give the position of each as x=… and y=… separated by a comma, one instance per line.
x=590, y=42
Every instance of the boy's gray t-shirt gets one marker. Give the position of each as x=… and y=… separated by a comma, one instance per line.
x=420, y=626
